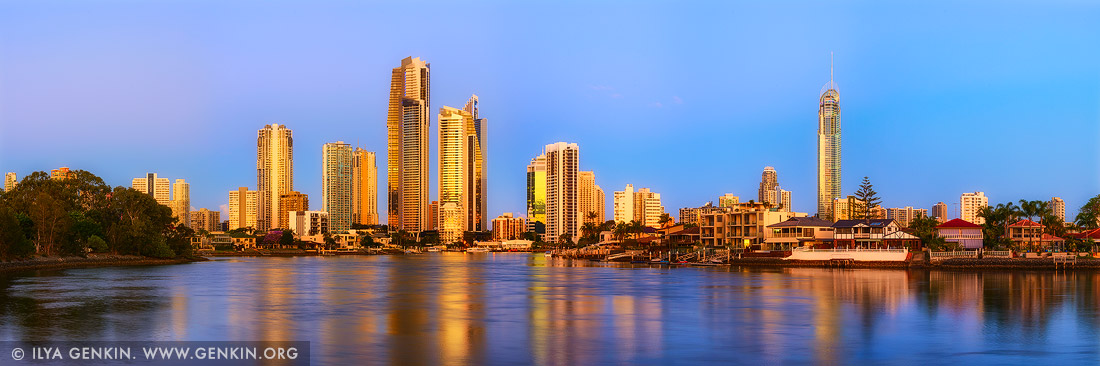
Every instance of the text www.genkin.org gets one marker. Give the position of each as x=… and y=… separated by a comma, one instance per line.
x=153, y=352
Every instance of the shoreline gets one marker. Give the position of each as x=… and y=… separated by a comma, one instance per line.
x=92, y=261
x=953, y=264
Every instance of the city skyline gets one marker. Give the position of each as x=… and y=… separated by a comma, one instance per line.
x=952, y=93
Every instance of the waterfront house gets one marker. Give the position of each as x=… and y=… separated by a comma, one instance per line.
x=799, y=232
x=868, y=234
x=1029, y=234
x=966, y=234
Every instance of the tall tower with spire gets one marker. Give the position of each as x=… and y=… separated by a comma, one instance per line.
x=828, y=146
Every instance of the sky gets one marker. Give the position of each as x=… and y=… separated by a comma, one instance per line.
x=689, y=98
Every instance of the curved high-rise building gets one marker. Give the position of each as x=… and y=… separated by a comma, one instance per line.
x=828, y=148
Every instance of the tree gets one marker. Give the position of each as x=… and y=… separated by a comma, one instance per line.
x=97, y=244
x=589, y=233
x=14, y=243
x=565, y=239
x=368, y=242
x=330, y=242
x=178, y=239
x=1088, y=217
x=531, y=235
x=997, y=218
x=620, y=231
x=664, y=220
x=868, y=200
x=287, y=239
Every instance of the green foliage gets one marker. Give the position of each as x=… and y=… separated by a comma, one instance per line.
x=868, y=200
x=368, y=242
x=924, y=227
x=1088, y=217
x=531, y=235
x=178, y=239
x=158, y=248
x=997, y=218
x=665, y=219
x=287, y=239
x=13, y=242
x=330, y=242
x=97, y=244
x=565, y=240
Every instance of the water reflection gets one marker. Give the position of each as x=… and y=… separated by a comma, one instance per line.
x=458, y=309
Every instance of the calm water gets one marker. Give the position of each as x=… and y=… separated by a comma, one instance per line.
x=525, y=309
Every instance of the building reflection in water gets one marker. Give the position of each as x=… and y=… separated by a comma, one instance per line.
x=456, y=308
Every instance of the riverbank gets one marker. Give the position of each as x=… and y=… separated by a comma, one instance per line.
x=93, y=260
x=951, y=264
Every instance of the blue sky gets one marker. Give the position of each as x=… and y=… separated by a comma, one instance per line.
x=691, y=99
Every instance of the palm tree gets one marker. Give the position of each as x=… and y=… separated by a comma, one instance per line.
x=620, y=231
x=589, y=231
x=665, y=219
x=637, y=228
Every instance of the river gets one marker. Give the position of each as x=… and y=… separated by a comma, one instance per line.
x=511, y=308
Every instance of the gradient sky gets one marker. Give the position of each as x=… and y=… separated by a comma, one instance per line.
x=690, y=99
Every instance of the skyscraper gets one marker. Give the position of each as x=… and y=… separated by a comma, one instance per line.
x=477, y=143
x=648, y=208
x=462, y=180
x=768, y=181
x=455, y=180
x=728, y=200
x=591, y=198
x=969, y=204
x=782, y=199
x=828, y=148
x=562, y=217
x=1058, y=208
x=364, y=188
x=154, y=186
x=407, y=147
x=274, y=172
x=623, y=204
x=10, y=181
x=181, y=202
x=336, y=185
x=290, y=202
x=204, y=219
x=939, y=212
x=536, y=195
x=244, y=208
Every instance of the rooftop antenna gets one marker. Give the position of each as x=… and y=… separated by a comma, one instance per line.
x=830, y=66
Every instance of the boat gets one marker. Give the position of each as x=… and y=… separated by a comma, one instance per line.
x=477, y=250
x=549, y=254
x=658, y=261
x=717, y=261
x=433, y=250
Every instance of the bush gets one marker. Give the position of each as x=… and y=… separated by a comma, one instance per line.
x=158, y=249
x=97, y=244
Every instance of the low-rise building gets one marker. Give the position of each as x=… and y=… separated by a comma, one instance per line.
x=967, y=234
x=308, y=223
x=507, y=227
x=799, y=232
x=871, y=234
x=693, y=215
x=1029, y=234
x=741, y=226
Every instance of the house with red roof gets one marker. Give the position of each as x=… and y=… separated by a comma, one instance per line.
x=1027, y=234
x=967, y=234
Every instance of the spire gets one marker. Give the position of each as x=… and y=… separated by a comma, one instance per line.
x=830, y=66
